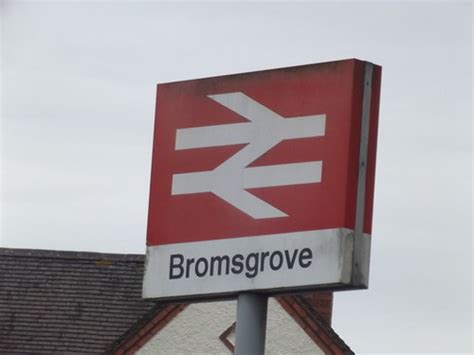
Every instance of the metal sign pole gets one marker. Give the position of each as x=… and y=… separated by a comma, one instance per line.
x=251, y=324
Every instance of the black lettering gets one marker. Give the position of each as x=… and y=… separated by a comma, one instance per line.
x=204, y=262
x=220, y=260
x=237, y=263
x=176, y=260
x=262, y=261
x=250, y=264
x=252, y=267
x=189, y=262
x=290, y=261
x=306, y=254
x=272, y=259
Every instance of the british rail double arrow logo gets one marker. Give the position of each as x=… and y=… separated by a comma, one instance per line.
x=264, y=130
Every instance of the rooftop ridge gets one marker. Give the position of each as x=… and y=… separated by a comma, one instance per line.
x=69, y=254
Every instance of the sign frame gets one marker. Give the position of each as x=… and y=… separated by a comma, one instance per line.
x=350, y=248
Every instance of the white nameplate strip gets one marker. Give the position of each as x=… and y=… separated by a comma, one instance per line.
x=298, y=259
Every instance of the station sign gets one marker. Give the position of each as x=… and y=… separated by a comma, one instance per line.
x=263, y=182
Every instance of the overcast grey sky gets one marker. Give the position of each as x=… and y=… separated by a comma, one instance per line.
x=78, y=95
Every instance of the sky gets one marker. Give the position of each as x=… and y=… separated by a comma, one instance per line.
x=78, y=83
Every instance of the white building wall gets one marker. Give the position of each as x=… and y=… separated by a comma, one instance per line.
x=196, y=330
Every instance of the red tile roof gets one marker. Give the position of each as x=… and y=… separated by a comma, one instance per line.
x=90, y=303
x=68, y=302
x=314, y=324
x=312, y=311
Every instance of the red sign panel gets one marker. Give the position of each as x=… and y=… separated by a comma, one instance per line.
x=332, y=89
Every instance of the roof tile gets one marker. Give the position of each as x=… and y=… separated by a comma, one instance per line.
x=63, y=302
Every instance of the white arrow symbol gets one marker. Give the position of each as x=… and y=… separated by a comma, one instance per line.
x=265, y=130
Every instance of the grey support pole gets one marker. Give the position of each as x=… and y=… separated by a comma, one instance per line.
x=251, y=324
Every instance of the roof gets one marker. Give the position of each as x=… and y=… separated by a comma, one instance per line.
x=301, y=309
x=82, y=302
x=312, y=311
x=67, y=302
